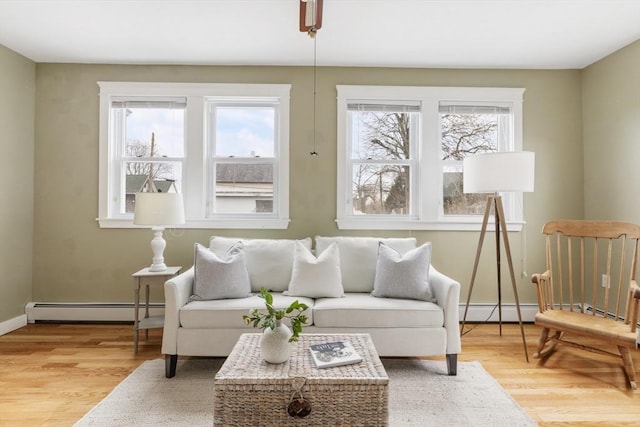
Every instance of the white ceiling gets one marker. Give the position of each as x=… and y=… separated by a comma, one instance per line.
x=542, y=34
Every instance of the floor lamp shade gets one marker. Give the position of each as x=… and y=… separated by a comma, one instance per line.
x=499, y=172
x=158, y=210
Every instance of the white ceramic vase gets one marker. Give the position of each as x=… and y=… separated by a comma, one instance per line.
x=274, y=343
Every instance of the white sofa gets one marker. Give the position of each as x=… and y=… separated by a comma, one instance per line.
x=398, y=327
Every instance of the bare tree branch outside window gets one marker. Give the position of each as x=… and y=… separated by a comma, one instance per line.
x=384, y=188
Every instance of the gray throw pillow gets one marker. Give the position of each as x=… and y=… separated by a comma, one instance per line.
x=220, y=278
x=403, y=276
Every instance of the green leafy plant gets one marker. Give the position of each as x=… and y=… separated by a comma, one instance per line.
x=269, y=319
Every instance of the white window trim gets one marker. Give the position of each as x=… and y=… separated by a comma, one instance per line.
x=194, y=170
x=429, y=215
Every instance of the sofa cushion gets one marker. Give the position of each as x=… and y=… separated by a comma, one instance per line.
x=361, y=310
x=220, y=277
x=316, y=277
x=358, y=258
x=228, y=313
x=403, y=276
x=269, y=261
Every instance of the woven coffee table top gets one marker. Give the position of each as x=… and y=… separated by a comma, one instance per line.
x=245, y=363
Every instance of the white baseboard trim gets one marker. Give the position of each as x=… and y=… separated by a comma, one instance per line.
x=123, y=312
x=483, y=312
x=87, y=312
x=13, y=324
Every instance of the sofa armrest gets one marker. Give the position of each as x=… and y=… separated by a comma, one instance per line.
x=176, y=294
x=447, y=293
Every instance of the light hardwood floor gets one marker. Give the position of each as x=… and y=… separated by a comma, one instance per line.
x=52, y=374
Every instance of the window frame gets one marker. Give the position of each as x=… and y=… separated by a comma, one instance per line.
x=194, y=170
x=412, y=161
x=429, y=209
x=214, y=160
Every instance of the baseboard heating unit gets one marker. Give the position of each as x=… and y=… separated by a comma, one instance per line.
x=86, y=312
x=489, y=312
x=123, y=312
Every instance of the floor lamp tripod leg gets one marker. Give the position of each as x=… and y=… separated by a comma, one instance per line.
x=497, y=218
x=485, y=221
x=507, y=247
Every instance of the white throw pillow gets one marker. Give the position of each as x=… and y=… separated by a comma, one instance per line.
x=316, y=277
x=269, y=261
x=403, y=276
x=220, y=277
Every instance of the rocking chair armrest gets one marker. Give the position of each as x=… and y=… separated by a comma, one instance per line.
x=542, y=282
x=540, y=277
x=635, y=289
x=633, y=307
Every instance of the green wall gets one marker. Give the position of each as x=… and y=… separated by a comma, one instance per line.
x=584, y=126
x=17, y=113
x=611, y=114
x=75, y=260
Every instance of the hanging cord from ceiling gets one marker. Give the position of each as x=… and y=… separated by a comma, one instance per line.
x=315, y=86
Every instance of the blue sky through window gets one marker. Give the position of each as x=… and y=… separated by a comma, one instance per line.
x=167, y=125
x=244, y=131
x=241, y=131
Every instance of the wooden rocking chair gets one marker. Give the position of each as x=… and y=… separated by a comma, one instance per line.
x=589, y=288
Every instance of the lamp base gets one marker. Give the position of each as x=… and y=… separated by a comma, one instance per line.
x=157, y=247
x=158, y=267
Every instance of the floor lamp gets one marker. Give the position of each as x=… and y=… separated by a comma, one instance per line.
x=497, y=173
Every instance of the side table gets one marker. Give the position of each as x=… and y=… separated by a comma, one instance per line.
x=147, y=278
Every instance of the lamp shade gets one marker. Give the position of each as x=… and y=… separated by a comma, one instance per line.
x=159, y=209
x=499, y=172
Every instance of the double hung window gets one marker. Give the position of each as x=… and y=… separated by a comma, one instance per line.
x=142, y=160
x=383, y=157
x=242, y=141
x=400, y=153
x=224, y=146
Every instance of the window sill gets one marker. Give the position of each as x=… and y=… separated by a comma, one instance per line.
x=226, y=223
x=412, y=224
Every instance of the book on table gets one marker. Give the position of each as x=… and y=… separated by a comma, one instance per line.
x=338, y=353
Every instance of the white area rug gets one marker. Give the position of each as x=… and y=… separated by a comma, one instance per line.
x=420, y=394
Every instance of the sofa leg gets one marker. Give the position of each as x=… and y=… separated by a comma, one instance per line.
x=452, y=364
x=170, y=363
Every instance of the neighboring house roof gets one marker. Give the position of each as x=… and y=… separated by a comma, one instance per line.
x=135, y=182
x=225, y=173
x=244, y=173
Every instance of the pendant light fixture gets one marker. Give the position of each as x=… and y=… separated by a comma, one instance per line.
x=310, y=16
x=310, y=23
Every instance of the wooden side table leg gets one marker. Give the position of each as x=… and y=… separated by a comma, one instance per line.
x=146, y=311
x=136, y=306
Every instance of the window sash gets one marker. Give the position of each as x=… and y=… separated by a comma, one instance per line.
x=504, y=142
x=212, y=188
x=214, y=161
x=354, y=162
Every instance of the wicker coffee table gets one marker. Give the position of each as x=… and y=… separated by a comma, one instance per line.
x=251, y=392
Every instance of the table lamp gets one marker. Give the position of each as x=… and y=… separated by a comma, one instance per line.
x=158, y=210
x=496, y=173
